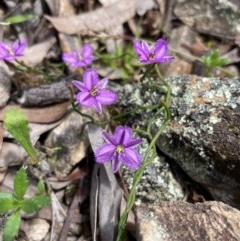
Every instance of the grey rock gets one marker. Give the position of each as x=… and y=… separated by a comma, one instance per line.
x=180, y=221
x=203, y=136
x=5, y=87
x=70, y=143
x=45, y=94
x=214, y=17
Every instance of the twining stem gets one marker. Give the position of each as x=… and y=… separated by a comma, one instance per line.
x=148, y=157
x=147, y=72
x=136, y=179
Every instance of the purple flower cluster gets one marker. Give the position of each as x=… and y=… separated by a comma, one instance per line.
x=10, y=52
x=119, y=148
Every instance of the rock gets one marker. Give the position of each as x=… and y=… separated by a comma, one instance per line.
x=203, y=135
x=45, y=94
x=5, y=86
x=214, y=17
x=36, y=229
x=180, y=221
x=180, y=37
x=71, y=143
x=158, y=182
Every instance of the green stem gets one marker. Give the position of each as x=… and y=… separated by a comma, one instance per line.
x=147, y=72
x=136, y=179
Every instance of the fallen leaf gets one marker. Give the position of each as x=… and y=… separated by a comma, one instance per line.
x=110, y=16
x=105, y=195
x=30, y=57
x=45, y=114
x=58, y=217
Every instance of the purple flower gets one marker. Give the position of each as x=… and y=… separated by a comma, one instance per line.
x=93, y=92
x=155, y=54
x=119, y=148
x=79, y=58
x=10, y=52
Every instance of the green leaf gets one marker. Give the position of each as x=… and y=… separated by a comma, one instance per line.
x=33, y=204
x=20, y=183
x=28, y=206
x=19, y=18
x=11, y=227
x=17, y=124
x=4, y=195
x=6, y=204
x=41, y=187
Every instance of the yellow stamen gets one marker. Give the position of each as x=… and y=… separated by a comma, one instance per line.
x=119, y=148
x=94, y=91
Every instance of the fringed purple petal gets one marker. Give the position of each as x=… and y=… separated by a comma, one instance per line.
x=104, y=153
x=102, y=83
x=142, y=50
x=116, y=163
x=90, y=78
x=110, y=139
x=131, y=158
x=19, y=47
x=160, y=48
x=80, y=85
x=133, y=143
x=87, y=51
x=123, y=135
x=71, y=59
x=106, y=97
x=3, y=51
x=98, y=107
x=85, y=99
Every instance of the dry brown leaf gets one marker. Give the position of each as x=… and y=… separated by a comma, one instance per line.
x=97, y=20
x=11, y=154
x=58, y=217
x=30, y=57
x=45, y=114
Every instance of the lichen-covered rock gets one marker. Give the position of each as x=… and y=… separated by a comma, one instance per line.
x=180, y=221
x=158, y=182
x=203, y=136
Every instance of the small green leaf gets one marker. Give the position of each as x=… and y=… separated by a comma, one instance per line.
x=6, y=204
x=19, y=18
x=20, y=183
x=28, y=206
x=17, y=124
x=11, y=227
x=41, y=187
x=33, y=204
x=4, y=195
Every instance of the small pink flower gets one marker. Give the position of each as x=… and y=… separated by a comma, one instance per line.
x=79, y=58
x=93, y=92
x=10, y=52
x=120, y=148
x=155, y=54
